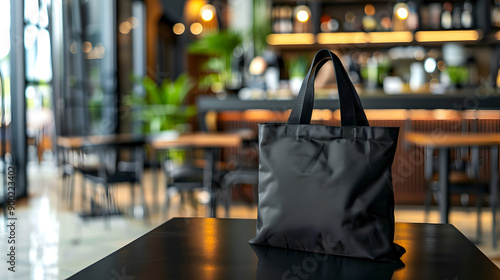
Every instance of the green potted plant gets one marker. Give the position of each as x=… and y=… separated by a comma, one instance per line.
x=458, y=75
x=297, y=69
x=161, y=107
x=219, y=47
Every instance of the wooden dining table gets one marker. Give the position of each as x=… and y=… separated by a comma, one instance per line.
x=73, y=146
x=76, y=142
x=211, y=142
x=443, y=142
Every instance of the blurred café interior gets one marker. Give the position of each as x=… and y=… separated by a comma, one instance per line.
x=119, y=115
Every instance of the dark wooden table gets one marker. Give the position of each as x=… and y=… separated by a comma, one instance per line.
x=208, y=248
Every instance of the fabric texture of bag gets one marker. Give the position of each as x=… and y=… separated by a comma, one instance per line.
x=327, y=189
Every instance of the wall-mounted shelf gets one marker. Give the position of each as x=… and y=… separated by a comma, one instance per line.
x=349, y=38
x=448, y=36
x=363, y=37
x=291, y=39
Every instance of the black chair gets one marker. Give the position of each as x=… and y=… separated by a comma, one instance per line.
x=71, y=163
x=118, y=163
x=247, y=176
x=463, y=180
x=185, y=179
x=246, y=172
x=463, y=169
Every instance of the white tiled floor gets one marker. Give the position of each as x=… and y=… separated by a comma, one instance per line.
x=54, y=243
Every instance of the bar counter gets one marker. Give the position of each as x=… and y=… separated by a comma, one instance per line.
x=470, y=101
x=417, y=113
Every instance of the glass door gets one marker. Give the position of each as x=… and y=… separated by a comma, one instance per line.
x=5, y=98
x=38, y=74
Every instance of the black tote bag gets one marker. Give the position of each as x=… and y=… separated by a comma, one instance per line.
x=327, y=189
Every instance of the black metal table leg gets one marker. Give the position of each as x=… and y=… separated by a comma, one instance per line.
x=494, y=191
x=444, y=198
x=155, y=165
x=210, y=171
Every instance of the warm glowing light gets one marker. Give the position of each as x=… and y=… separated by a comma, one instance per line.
x=291, y=39
x=369, y=10
x=386, y=23
x=86, y=47
x=447, y=36
x=125, y=27
x=179, y=28
x=192, y=10
x=196, y=28
x=402, y=13
x=99, y=50
x=207, y=12
x=134, y=22
x=257, y=66
x=441, y=65
x=322, y=115
x=72, y=48
x=210, y=241
x=379, y=114
x=497, y=35
x=207, y=15
x=302, y=16
x=419, y=55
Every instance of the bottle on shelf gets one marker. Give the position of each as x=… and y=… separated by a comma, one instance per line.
x=456, y=18
x=350, y=22
x=282, y=19
x=467, y=15
x=385, y=20
x=424, y=17
x=369, y=22
x=287, y=20
x=412, y=16
x=328, y=24
x=400, y=17
x=446, y=16
x=302, y=19
x=435, y=11
x=275, y=19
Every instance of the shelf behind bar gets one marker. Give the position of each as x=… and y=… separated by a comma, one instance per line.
x=448, y=36
x=291, y=39
x=364, y=37
x=392, y=37
x=414, y=101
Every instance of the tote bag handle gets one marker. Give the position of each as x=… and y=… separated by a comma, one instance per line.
x=351, y=110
